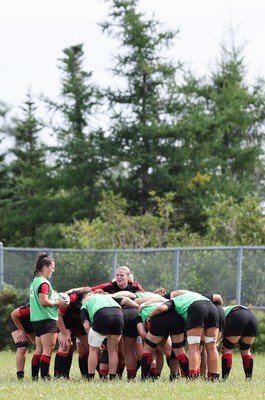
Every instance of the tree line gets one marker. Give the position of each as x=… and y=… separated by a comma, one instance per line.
x=159, y=158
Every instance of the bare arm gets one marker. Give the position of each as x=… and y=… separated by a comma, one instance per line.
x=124, y=293
x=61, y=324
x=16, y=318
x=79, y=289
x=46, y=302
x=150, y=300
x=86, y=325
x=64, y=336
x=129, y=303
x=159, y=310
x=141, y=329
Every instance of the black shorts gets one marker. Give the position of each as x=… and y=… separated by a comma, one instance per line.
x=45, y=326
x=221, y=317
x=202, y=314
x=130, y=319
x=241, y=322
x=168, y=323
x=28, y=327
x=75, y=326
x=109, y=321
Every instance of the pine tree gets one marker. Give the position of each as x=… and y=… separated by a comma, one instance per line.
x=78, y=154
x=141, y=135
x=223, y=132
x=23, y=204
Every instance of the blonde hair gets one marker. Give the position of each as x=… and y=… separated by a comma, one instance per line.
x=160, y=291
x=127, y=272
x=88, y=296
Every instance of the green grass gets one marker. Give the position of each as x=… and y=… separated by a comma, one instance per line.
x=235, y=388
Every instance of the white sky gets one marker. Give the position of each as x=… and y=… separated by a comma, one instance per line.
x=33, y=34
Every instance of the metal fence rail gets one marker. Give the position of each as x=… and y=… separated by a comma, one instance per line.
x=238, y=273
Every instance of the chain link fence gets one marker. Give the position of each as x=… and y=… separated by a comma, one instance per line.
x=237, y=273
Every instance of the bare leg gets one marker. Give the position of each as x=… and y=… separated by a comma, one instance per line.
x=113, y=346
x=194, y=350
x=130, y=357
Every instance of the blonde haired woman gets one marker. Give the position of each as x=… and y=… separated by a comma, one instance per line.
x=124, y=281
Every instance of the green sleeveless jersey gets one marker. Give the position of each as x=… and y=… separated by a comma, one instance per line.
x=37, y=311
x=228, y=309
x=97, y=302
x=146, y=310
x=183, y=302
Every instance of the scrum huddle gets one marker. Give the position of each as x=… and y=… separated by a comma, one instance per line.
x=117, y=326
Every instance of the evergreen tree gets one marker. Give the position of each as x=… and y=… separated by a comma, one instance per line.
x=79, y=159
x=3, y=111
x=141, y=135
x=223, y=126
x=23, y=202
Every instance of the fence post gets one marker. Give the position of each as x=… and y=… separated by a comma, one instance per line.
x=176, y=270
x=1, y=266
x=49, y=252
x=114, y=264
x=239, y=275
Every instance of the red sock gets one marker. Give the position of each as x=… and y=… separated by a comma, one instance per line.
x=131, y=373
x=248, y=363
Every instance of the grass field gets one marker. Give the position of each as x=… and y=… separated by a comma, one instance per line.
x=235, y=388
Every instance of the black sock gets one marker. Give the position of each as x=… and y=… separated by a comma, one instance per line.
x=20, y=375
x=213, y=376
x=120, y=370
x=90, y=377
x=226, y=365
x=184, y=363
x=35, y=366
x=173, y=377
x=146, y=364
x=60, y=364
x=85, y=363
x=45, y=366
x=68, y=363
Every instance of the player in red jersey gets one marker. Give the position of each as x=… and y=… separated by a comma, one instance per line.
x=71, y=327
x=21, y=330
x=123, y=282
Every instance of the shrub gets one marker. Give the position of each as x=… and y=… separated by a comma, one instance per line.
x=9, y=300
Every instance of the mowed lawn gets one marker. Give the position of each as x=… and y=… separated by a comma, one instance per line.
x=235, y=388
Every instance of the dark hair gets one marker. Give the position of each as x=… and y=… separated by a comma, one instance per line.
x=43, y=259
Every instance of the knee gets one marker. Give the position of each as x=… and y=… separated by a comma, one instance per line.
x=22, y=351
x=48, y=350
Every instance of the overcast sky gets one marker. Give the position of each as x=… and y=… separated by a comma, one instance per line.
x=33, y=34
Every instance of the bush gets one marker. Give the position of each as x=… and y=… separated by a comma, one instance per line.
x=10, y=299
x=259, y=344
